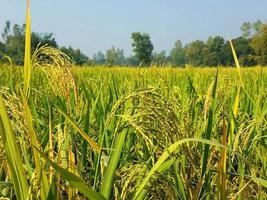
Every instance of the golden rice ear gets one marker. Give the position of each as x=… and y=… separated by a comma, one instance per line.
x=57, y=67
x=27, y=57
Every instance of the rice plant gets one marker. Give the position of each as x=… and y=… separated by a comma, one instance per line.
x=125, y=133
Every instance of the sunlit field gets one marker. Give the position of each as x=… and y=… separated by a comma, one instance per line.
x=134, y=133
x=121, y=133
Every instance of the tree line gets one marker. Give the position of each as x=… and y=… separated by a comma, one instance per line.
x=251, y=49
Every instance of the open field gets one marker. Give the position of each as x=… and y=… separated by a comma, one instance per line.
x=123, y=133
x=130, y=133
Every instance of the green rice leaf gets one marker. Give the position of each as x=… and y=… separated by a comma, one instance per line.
x=260, y=181
x=93, y=144
x=14, y=157
x=74, y=180
x=27, y=57
x=166, y=154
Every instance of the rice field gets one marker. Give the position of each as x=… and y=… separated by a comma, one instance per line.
x=118, y=133
x=127, y=133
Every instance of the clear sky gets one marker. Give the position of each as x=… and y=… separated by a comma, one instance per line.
x=94, y=25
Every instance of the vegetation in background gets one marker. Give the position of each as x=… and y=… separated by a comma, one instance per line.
x=142, y=47
x=259, y=44
x=213, y=52
x=115, y=57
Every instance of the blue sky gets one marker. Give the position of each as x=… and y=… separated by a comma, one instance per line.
x=94, y=25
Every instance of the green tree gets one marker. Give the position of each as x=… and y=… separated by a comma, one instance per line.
x=246, y=29
x=249, y=29
x=132, y=61
x=142, y=47
x=43, y=39
x=14, y=41
x=259, y=45
x=214, y=51
x=77, y=57
x=6, y=30
x=2, y=51
x=243, y=50
x=160, y=59
x=115, y=57
x=99, y=58
x=2, y=48
x=194, y=53
x=257, y=26
x=177, y=54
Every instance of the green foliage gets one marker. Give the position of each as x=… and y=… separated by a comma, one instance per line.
x=243, y=50
x=178, y=54
x=142, y=47
x=133, y=126
x=14, y=42
x=249, y=29
x=76, y=56
x=194, y=53
x=74, y=181
x=115, y=57
x=104, y=108
x=259, y=45
x=14, y=158
x=132, y=61
x=43, y=39
x=99, y=58
x=160, y=59
x=246, y=29
x=2, y=51
x=214, y=52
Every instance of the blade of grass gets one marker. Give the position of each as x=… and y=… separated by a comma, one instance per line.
x=164, y=167
x=51, y=153
x=93, y=144
x=110, y=172
x=73, y=180
x=209, y=127
x=14, y=157
x=27, y=56
x=260, y=181
x=236, y=61
x=34, y=142
x=241, y=172
x=165, y=156
x=179, y=182
x=222, y=164
x=234, y=117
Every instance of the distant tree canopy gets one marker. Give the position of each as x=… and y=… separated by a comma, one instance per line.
x=160, y=59
x=249, y=29
x=142, y=47
x=76, y=56
x=195, y=53
x=251, y=49
x=259, y=45
x=115, y=57
x=14, y=39
x=99, y=58
x=177, y=55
